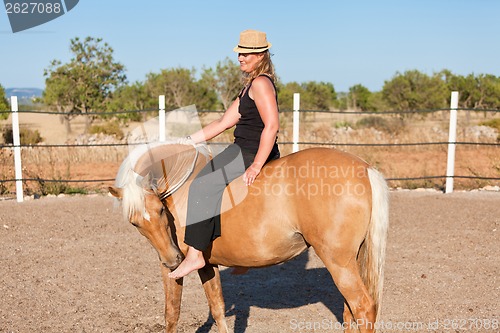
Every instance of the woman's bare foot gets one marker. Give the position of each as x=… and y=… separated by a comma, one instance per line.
x=194, y=260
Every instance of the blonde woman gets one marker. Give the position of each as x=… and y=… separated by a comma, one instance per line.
x=255, y=114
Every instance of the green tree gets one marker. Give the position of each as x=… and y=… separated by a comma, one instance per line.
x=475, y=91
x=318, y=96
x=204, y=98
x=376, y=102
x=87, y=82
x=360, y=98
x=4, y=104
x=489, y=87
x=59, y=94
x=313, y=95
x=180, y=89
x=285, y=94
x=132, y=97
x=225, y=80
x=414, y=90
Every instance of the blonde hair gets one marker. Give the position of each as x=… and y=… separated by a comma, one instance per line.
x=265, y=66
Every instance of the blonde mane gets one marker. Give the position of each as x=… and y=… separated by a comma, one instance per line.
x=132, y=190
x=134, y=185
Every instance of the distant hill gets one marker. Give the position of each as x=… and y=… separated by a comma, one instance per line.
x=24, y=95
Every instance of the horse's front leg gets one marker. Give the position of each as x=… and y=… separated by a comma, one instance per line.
x=173, y=295
x=210, y=278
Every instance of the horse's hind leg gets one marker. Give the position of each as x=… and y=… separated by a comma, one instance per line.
x=348, y=319
x=348, y=281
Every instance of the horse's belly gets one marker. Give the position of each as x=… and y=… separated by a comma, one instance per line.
x=255, y=249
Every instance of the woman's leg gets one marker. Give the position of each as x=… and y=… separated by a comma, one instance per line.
x=205, y=196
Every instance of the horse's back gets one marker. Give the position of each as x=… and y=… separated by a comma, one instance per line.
x=323, y=169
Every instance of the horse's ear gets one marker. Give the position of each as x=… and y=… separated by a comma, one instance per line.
x=116, y=192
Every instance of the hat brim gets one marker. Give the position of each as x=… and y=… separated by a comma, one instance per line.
x=240, y=49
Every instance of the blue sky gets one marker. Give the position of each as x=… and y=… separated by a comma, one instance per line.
x=343, y=42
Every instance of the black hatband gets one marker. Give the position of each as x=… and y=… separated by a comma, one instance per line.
x=251, y=47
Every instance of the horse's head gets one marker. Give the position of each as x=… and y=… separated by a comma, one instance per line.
x=145, y=181
x=154, y=222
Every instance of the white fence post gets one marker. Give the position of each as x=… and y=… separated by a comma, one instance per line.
x=17, y=149
x=161, y=118
x=452, y=138
x=296, y=121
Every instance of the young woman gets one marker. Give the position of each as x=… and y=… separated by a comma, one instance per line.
x=255, y=114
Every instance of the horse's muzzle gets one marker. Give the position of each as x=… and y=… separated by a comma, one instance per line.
x=174, y=265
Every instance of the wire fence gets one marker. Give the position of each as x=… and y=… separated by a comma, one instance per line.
x=312, y=122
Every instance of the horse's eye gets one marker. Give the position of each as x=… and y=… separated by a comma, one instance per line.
x=135, y=224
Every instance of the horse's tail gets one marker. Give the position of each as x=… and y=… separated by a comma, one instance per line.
x=371, y=256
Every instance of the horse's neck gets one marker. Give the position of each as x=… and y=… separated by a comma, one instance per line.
x=177, y=204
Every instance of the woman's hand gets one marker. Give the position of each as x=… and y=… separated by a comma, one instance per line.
x=251, y=173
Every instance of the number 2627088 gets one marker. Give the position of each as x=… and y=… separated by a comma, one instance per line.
x=33, y=7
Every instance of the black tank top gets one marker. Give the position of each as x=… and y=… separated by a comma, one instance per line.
x=250, y=125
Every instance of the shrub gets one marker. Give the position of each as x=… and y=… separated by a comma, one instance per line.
x=26, y=135
x=342, y=124
x=6, y=170
x=391, y=126
x=109, y=128
x=56, y=187
x=493, y=123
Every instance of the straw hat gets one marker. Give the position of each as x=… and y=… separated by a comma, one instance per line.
x=252, y=41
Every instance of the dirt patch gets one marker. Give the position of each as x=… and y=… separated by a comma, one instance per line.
x=73, y=265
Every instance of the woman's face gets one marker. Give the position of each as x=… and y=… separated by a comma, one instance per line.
x=248, y=61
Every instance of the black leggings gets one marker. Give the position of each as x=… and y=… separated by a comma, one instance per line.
x=205, y=195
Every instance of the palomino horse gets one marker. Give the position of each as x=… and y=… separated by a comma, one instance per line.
x=318, y=197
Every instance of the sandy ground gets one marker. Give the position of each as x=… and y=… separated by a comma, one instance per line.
x=73, y=265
